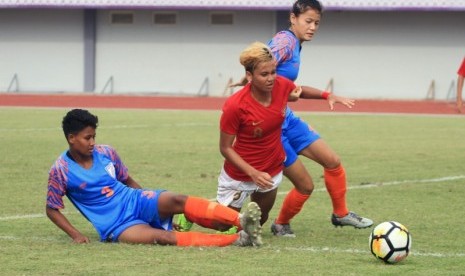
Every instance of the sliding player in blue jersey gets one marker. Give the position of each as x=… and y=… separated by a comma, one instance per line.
x=97, y=182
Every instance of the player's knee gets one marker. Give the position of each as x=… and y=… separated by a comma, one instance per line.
x=306, y=189
x=176, y=203
x=332, y=162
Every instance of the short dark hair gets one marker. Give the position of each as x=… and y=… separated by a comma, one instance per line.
x=78, y=119
x=301, y=6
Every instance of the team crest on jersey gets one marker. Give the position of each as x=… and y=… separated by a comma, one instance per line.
x=111, y=170
x=257, y=132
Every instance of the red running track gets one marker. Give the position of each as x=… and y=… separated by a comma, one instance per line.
x=215, y=103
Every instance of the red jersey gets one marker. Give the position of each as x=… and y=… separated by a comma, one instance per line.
x=257, y=129
x=461, y=71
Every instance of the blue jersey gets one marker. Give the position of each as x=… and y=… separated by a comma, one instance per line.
x=286, y=49
x=99, y=192
x=296, y=134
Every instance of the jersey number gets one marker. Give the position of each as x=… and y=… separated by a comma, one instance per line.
x=107, y=191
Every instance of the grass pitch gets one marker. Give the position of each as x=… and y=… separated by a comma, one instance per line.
x=405, y=168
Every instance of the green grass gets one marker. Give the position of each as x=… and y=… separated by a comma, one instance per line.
x=410, y=158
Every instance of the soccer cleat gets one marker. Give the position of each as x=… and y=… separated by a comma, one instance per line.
x=185, y=225
x=351, y=219
x=250, y=223
x=282, y=230
x=230, y=231
x=243, y=239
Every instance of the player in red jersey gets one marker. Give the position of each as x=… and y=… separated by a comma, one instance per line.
x=250, y=133
x=460, y=77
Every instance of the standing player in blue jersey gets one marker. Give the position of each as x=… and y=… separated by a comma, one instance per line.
x=97, y=182
x=299, y=138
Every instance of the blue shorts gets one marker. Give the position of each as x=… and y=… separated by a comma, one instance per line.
x=296, y=136
x=145, y=211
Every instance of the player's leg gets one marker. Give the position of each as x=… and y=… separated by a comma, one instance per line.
x=336, y=184
x=294, y=200
x=212, y=214
x=229, y=194
x=266, y=201
x=145, y=234
x=296, y=172
x=199, y=210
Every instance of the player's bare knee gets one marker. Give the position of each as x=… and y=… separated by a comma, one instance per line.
x=306, y=189
x=177, y=203
x=332, y=162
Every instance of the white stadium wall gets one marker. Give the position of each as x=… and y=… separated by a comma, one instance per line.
x=368, y=54
x=386, y=54
x=43, y=48
x=175, y=59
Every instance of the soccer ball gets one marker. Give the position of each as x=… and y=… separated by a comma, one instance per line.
x=390, y=241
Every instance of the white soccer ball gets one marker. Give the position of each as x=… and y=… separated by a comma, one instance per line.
x=390, y=242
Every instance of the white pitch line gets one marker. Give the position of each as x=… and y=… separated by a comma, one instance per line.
x=309, y=249
x=14, y=238
x=391, y=183
x=109, y=127
x=357, y=251
x=30, y=216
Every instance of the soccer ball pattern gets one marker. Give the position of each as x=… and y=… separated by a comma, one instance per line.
x=390, y=241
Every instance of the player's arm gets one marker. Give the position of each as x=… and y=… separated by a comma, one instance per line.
x=262, y=179
x=130, y=182
x=314, y=93
x=63, y=223
x=295, y=94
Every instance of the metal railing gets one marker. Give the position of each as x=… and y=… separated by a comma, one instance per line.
x=205, y=86
x=14, y=81
x=109, y=83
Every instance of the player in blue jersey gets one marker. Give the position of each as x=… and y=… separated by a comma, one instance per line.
x=97, y=182
x=299, y=138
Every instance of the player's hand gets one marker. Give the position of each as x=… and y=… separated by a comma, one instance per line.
x=81, y=239
x=295, y=94
x=333, y=99
x=263, y=180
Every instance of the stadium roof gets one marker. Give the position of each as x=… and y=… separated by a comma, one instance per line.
x=432, y=5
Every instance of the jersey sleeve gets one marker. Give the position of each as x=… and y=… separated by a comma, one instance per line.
x=281, y=47
x=230, y=119
x=288, y=85
x=121, y=171
x=56, y=188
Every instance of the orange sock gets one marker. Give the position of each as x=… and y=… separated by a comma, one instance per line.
x=203, y=239
x=292, y=205
x=205, y=213
x=335, y=180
